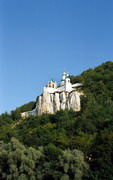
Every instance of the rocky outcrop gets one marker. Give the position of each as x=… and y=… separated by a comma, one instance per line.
x=49, y=103
x=55, y=98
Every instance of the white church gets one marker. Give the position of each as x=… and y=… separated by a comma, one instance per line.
x=65, y=85
x=52, y=91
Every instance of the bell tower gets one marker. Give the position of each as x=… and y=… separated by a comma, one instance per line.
x=62, y=83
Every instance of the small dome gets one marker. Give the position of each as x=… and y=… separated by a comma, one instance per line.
x=52, y=80
x=67, y=77
x=64, y=73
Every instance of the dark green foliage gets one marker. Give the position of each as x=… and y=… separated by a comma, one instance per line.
x=20, y=162
x=102, y=155
x=27, y=107
x=16, y=115
x=65, y=134
x=5, y=119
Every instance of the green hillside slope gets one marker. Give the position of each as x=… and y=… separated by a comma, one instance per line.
x=67, y=145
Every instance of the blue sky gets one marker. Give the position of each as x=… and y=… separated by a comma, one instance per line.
x=39, y=38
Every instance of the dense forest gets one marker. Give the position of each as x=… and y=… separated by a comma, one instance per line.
x=67, y=145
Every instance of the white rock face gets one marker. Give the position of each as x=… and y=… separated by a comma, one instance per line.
x=49, y=103
x=55, y=98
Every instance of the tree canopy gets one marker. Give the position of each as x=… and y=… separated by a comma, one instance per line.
x=67, y=145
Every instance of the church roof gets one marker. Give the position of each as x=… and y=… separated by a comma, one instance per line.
x=52, y=80
x=67, y=76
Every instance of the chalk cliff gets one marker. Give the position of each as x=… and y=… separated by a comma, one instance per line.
x=55, y=98
x=49, y=103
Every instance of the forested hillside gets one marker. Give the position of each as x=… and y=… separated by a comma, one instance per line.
x=67, y=145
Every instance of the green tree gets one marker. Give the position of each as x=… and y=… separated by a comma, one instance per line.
x=72, y=164
x=19, y=162
x=16, y=115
